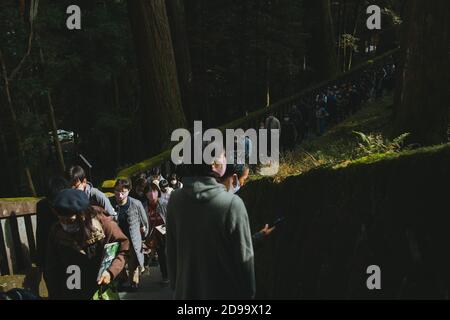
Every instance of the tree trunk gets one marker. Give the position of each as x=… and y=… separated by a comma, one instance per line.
x=16, y=127
x=177, y=19
x=51, y=115
x=424, y=97
x=268, y=81
x=339, y=26
x=344, y=31
x=12, y=180
x=355, y=30
x=203, y=86
x=243, y=47
x=58, y=148
x=161, y=108
x=116, y=103
x=322, y=48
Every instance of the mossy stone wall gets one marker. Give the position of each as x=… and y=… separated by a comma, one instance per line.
x=392, y=212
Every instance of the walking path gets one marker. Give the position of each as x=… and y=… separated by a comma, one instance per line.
x=150, y=287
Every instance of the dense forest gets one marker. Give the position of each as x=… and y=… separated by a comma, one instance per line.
x=138, y=69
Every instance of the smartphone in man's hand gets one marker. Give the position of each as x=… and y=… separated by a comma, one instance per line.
x=277, y=221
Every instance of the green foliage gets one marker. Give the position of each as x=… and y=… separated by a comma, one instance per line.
x=77, y=67
x=393, y=16
x=338, y=145
x=375, y=143
x=350, y=42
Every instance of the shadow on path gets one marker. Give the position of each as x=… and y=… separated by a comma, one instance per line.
x=150, y=287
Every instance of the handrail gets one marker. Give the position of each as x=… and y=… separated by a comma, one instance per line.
x=241, y=122
x=17, y=206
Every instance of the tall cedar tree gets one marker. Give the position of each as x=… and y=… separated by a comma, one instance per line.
x=423, y=96
x=162, y=111
x=322, y=48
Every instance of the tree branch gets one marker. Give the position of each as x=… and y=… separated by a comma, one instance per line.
x=27, y=54
x=32, y=15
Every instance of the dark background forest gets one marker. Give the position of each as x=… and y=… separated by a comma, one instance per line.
x=121, y=90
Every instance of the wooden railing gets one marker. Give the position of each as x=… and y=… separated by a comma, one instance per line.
x=17, y=235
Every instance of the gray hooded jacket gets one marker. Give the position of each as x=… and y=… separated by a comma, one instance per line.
x=209, y=244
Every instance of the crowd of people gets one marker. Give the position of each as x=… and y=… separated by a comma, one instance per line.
x=197, y=230
x=76, y=221
x=313, y=113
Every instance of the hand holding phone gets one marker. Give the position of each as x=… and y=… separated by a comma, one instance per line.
x=277, y=222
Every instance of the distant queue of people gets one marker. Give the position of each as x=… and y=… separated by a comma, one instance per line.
x=313, y=113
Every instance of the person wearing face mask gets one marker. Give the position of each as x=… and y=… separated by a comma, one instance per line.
x=234, y=178
x=166, y=190
x=77, y=180
x=209, y=243
x=133, y=221
x=75, y=248
x=174, y=182
x=156, y=210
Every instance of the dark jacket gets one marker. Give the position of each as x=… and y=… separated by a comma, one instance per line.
x=45, y=220
x=63, y=252
x=209, y=244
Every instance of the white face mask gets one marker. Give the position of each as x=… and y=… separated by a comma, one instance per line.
x=220, y=166
x=234, y=189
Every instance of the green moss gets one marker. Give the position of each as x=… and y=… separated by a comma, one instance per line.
x=20, y=199
x=339, y=145
x=341, y=218
x=393, y=155
x=145, y=165
x=108, y=184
